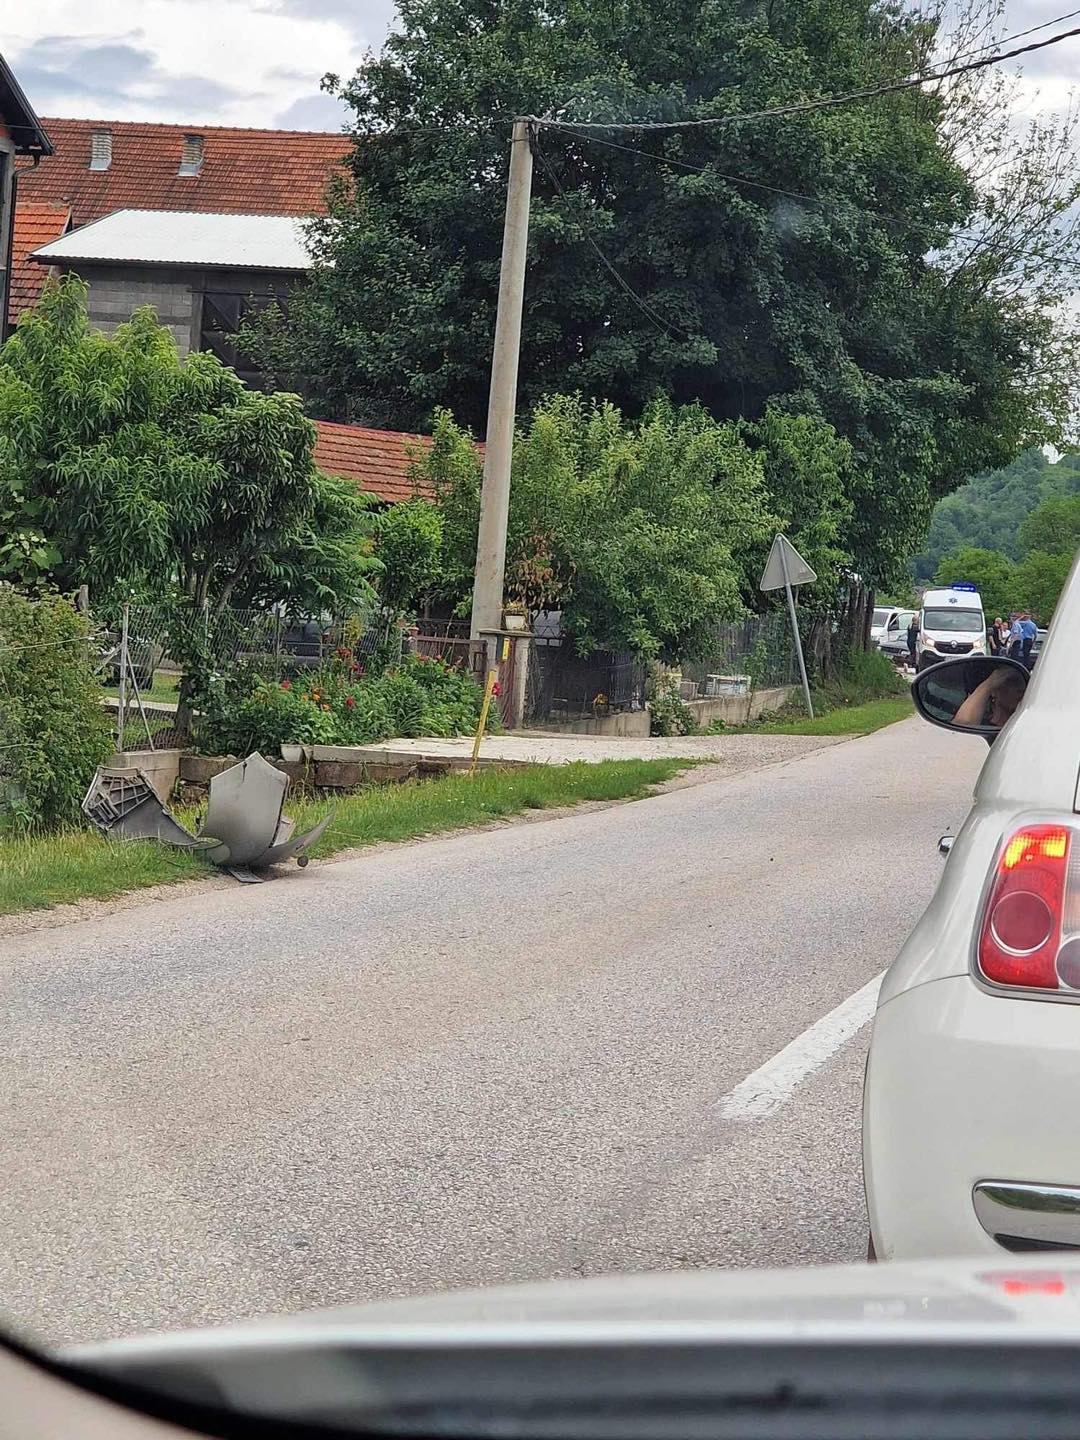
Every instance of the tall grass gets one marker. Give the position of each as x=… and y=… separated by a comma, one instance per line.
x=41, y=871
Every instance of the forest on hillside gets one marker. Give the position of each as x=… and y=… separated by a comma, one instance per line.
x=988, y=511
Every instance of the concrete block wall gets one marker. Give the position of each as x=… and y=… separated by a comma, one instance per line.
x=116, y=293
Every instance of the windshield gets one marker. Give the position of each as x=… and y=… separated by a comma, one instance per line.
x=950, y=620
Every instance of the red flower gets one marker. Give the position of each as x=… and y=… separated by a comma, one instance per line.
x=496, y=689
x=350, y=702
x=286, y=684
x=343, y=652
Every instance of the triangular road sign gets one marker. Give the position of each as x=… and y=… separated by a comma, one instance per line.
x=783, y=554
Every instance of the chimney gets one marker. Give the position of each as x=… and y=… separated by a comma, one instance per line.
x=191, y=156
x=100, y=149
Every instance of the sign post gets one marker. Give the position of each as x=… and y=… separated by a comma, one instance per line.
x=784, y=569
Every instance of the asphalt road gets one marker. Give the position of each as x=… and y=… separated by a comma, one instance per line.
x=495, y=1057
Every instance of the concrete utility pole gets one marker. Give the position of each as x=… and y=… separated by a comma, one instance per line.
x=502, y=400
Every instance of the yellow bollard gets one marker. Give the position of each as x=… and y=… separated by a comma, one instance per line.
x=489, y=686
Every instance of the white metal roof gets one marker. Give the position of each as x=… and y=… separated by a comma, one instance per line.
x=180, y=237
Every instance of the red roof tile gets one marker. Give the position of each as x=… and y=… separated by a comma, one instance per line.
x=379, y=460
x=35, y=224
x=247, y=172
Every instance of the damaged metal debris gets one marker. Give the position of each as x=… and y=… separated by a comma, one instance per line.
x=244, y=831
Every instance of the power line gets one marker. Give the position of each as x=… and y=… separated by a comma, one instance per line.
x=804, y=106
x=643, y=305
x=686, y=165
x=1017, y=35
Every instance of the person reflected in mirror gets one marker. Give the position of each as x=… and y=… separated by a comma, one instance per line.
x=912, y=638
x=993, y=701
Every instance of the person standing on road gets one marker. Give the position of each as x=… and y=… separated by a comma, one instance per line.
x=1028, y=630
x=912, y=637
x=1016, y=638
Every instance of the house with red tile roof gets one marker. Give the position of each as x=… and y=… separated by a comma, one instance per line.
x=380, y=461
x=35, y=225
x=131, y=187
x=22, y=134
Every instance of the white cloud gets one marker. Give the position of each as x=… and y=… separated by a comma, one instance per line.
x=225, y=62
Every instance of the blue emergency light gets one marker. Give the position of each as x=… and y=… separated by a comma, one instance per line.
x=962, y=585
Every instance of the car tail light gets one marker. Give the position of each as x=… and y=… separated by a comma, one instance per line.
x=1030, y=934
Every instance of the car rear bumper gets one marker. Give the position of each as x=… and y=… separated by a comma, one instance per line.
x=966, y=1089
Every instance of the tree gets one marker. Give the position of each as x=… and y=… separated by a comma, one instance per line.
x=992, y=574
x=804, y=261
x=639, y=532
x=1038, y=581
x=408, y=542
x=123, y=468
x=1053, y=527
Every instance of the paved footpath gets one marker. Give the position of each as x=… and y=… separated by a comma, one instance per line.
x=737, y=752
x=539, y=1050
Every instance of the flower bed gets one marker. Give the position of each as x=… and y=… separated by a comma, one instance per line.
x=338, y=705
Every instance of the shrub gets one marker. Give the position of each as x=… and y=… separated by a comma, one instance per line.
x=668, y=715
x=337, y=707
x=53, y=731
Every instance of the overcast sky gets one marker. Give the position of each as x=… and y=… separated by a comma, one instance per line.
x=259, y=62
x=214, y=62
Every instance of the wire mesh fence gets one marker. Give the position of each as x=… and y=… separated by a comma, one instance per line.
x=563, y=685
x=742, y=655
x=146, y=648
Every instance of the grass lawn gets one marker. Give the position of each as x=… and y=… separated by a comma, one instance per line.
x=39, y=872
x=843, y=720
x=165, y=689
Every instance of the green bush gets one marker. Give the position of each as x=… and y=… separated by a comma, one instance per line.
x=668, y=715
x=335, y=706
x=53, y=731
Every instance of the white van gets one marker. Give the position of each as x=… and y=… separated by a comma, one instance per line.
x=951, y=623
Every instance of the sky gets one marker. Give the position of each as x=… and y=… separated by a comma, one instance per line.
x=212, y=62
x=259, y=62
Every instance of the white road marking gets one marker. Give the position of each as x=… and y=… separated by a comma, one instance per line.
x=766, y=1088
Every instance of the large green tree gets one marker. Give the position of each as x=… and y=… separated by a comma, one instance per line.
x=804, y=260
x=640, y=533
x=126, y=469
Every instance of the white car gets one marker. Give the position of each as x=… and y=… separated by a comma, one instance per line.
x=971, y=1143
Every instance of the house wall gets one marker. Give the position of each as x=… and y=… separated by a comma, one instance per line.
x=117, y=291
x=176, y=294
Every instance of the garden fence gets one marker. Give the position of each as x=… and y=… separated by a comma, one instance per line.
x=752, y=654
x=143, y=649
x=563, y=685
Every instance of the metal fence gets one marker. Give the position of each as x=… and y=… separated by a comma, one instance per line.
x=741, y=655
x=563, y=685
x=145, y=648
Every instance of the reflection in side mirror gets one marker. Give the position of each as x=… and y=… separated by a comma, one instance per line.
x=976, y=695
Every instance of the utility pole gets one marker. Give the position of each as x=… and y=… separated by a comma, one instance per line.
x=502, y=400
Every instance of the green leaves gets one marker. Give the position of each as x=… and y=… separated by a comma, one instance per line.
x=125, y=469
x=640, y=533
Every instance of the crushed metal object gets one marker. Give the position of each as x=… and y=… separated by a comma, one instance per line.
x=244, y=830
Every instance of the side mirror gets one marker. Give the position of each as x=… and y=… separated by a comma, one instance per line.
x=976, y=695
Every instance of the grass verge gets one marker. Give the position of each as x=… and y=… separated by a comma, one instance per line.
x=866, y=693
x=844, y=720
x=40, y=872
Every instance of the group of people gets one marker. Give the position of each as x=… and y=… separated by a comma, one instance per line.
x=1014, y=637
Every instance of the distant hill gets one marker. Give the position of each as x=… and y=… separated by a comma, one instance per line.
x=990, y=508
